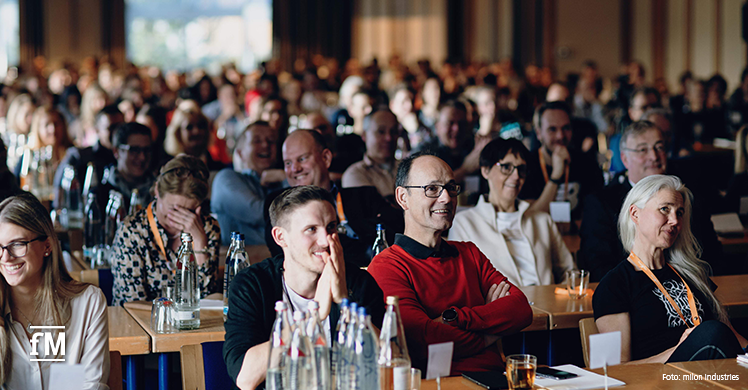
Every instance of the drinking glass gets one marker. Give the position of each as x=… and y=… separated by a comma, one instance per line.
x=520, y=371
x=415, y=379
x=160, y=316
x=576, y=283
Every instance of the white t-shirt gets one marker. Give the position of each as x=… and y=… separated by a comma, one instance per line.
x=300, y=303
x=508, y=225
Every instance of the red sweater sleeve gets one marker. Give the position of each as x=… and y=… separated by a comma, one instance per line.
x=509, y=314
x=421, y=331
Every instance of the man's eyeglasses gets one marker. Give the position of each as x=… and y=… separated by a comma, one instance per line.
x=18, y=249
x=136, y=149
x=508, y=169
x=658, y=148
x=435, y=190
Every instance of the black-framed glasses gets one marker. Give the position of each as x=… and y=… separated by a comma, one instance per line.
x=508, y=169
x=136, y=149
x=658, y=148
x=435, y=190
x=18, y=249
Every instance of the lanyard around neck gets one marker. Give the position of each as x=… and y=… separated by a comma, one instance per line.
x=691, y=302
x=339, y=205
x=545, y=173
x=154, y=230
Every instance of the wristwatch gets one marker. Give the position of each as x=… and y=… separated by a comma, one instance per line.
x=449, y=316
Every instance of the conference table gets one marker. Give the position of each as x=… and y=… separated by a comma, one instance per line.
x=130, y=339
x=565, y=313
x=211, y=329
x=676, y=376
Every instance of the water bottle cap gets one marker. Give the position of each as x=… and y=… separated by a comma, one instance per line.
x=240, y=236
x=280, y=305
x=186, y=237
x=344, y=302
x=353, y=306
x=298, y=316
x=379, y=226
x=391, y=300
x=362, y=311
x=313, y=305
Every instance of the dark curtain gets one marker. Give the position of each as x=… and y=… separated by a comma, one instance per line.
x=31, y=30
x=302, y=29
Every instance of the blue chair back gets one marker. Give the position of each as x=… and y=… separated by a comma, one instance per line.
x=106, y=283
x=216, y=374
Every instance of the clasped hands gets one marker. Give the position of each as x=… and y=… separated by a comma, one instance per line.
x=331, y=285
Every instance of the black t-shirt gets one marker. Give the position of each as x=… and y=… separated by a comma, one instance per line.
x=655, y=325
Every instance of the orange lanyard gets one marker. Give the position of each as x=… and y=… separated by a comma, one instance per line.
x=691, y=302
x=341, y=214
x=545, y=173
x=154, y=229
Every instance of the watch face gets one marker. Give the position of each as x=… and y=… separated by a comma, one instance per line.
x=449, y=315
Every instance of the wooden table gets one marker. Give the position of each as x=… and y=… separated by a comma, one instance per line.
x=130, y=339
x=719, y=367
x=650, y=376
x=211, y=329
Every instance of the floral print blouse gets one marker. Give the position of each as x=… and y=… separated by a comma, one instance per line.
x=140, y=271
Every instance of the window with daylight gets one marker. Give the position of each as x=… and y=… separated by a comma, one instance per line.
x=186, y=34
x=9, y=36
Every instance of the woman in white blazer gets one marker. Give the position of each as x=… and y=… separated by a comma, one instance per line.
x=522, y=244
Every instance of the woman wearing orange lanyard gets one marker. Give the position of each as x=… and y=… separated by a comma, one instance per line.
x=145, y=247
x=660, y=298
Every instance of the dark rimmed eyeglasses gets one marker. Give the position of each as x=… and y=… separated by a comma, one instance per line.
x=435, y=190
x=508, y=169
x=135, y=149
x=18, y=249
x=658, y=148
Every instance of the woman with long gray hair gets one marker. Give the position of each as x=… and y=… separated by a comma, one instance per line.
x=661, y=298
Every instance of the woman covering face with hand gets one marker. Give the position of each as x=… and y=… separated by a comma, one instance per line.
x=660, y=297
x=143, y=261
x=36, y=290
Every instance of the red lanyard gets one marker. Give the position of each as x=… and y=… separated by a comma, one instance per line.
x=339, y=205
x=691, y=302
x=545, y=173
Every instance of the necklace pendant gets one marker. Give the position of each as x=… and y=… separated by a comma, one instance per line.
x=28, y=328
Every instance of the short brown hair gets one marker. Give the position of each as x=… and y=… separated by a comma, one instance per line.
x=184, y=175
x=295, y=197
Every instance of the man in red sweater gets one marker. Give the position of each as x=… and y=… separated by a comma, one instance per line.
x=449, y=291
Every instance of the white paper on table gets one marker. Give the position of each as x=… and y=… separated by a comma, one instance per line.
x=585, y=380
x=561, y=211
x=440, y=360
x=727, y=223
x=605, y=349
x=66, y=376
x=211, y=304
x=743, y=205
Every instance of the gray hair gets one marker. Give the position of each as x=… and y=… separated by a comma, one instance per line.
x=637, y=128
x=684, y=254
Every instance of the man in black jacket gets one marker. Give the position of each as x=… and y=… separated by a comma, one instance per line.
x=312, y=267
x=306, y=161
x=644, y=153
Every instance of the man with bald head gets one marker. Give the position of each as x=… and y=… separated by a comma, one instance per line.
x=306, y=161
x=379, y=167
x=448, y=290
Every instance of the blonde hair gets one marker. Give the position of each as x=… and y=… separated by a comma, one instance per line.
x=183, y=115
x=684, y=255
x=61, y=144
x=184, y=175
x=15, y=107
x=740, y=150
x=57, y=287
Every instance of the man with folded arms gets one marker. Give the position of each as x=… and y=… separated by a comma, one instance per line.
x=448, y=290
